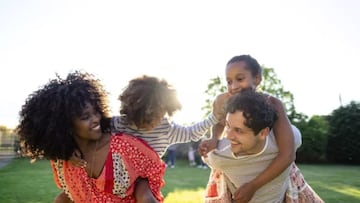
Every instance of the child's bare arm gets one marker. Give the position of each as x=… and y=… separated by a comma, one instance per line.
x=207, y=145
x=285, y=141
x=219, y=106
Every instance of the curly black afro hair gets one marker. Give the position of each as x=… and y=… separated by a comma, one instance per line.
x=146, y=99
x=256, y=108
x=45, y=127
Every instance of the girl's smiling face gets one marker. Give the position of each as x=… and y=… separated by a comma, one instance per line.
x=239, y=77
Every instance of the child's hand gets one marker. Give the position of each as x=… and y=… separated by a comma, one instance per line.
x=76, y=160
x=206, y=146
x=244, y=193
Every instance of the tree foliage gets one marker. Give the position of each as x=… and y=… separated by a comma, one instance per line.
x=344, y=134
x=314, y=135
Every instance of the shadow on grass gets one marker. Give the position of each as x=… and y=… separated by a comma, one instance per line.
x=338, y=192
x=334, y=183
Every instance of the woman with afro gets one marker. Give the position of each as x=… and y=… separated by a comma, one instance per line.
x=64, y=116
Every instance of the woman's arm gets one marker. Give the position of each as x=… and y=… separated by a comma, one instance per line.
x=62, y=198
x=143, y=192
x=285, y=141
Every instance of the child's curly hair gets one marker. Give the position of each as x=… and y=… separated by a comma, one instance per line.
x=46, y=118
x=146, y=99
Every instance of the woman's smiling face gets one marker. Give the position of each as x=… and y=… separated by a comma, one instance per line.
x=87, y=125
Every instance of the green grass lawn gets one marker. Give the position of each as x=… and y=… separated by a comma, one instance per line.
x=21, y=181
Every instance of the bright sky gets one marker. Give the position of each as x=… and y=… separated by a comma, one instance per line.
x=314, y=47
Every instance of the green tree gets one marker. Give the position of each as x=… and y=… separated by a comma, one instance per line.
x=314, y=135
x=344, y=134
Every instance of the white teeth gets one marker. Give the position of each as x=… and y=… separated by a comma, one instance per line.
x=97, y=127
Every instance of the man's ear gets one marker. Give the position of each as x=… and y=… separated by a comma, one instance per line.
x=264, y=133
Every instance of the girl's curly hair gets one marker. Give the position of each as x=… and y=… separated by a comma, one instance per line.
x=146, y=99
x=46, y=118
x=257, y=110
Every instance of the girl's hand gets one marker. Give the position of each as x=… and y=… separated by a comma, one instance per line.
x=276, y=103
x=76, y=160
x=244, y=193
x=206, y=146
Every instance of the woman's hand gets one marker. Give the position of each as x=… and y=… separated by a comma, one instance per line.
x=143, y=192
x=62, y=198
x=76, y=160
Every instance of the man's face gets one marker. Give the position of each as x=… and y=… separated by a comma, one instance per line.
x=243, y=139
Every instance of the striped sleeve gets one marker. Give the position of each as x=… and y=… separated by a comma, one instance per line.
x=183, y=134
x=117, y=124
